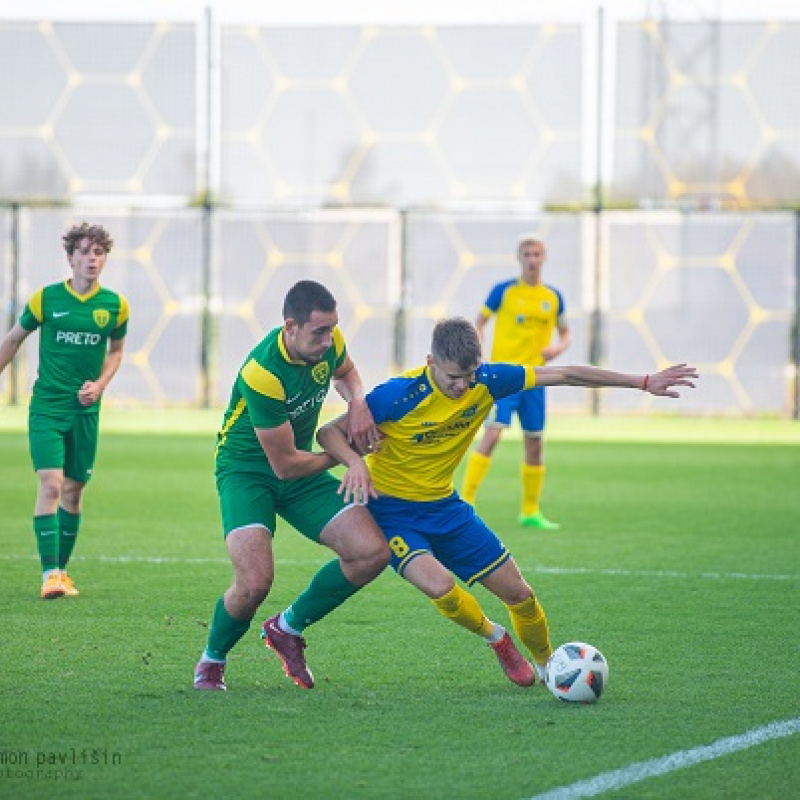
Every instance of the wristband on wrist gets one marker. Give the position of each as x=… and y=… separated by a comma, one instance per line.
x=646, y=381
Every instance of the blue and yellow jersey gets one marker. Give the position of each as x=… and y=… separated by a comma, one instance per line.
x=427, y=433
x=526, y=318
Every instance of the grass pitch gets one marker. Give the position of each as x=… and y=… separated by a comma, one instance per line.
x=680, y=561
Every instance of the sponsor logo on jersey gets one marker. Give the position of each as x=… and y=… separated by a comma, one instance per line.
x=320, y=372
x=101, y=316
x=78, y=337
x=441, y=434
x=57, y=314
x=308, y=405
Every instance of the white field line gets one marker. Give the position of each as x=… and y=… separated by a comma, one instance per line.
x=642, y=770
x=668, y=574
x=664, y=573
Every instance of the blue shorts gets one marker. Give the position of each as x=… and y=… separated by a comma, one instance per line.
x=449, y=529
x=529, y=404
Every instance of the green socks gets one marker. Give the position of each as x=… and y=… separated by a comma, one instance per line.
x=328, y=590
x=68, y=525
x=225, y=632
x=55, y=538
x=46, y=530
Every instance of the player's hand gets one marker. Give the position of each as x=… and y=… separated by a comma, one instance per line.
x=362, y=433
x=89, y=393
x=661, y=383
x=357, y=484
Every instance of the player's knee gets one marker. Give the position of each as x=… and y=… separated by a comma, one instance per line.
x=253, y=590
x=438, y=586
x=373, y=557
x=71, y=495
x=518, y=594
x=50, y=488
x=376, y=557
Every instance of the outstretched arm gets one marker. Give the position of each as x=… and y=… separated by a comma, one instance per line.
x=660, y=383
x=356, y=483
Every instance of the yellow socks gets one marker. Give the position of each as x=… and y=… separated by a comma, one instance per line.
x=530, y=625
x=532, y=480
x=477, y=464
x=463, y=609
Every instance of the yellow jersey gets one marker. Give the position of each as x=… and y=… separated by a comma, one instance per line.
x=426, y=433
x=526, y=318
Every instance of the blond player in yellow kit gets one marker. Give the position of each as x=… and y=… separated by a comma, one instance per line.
x=527, y=314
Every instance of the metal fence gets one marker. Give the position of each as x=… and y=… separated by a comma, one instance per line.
x=642, y=290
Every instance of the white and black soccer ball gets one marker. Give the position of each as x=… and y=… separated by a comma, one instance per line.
x=577, y=673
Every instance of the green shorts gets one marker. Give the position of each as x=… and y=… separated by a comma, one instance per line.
x=67, y=442
x=250, y=498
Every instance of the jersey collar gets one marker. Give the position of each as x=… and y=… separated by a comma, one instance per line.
x=82, y=297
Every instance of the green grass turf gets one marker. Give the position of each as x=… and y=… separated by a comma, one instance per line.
x=680, y=561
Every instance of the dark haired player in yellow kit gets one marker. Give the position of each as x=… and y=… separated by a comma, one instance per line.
x=528, y=312
x=82, y=327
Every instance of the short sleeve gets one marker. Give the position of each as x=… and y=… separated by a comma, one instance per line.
x=264, y=394
x=33, y=314
x=340, y=348
x=503, y=380
x=121, y=329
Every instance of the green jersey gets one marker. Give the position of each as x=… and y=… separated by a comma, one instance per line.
x=75, y=329
x=271, y=389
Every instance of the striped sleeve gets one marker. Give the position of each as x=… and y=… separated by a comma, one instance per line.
x=264, y=394
x=340, y=347
x=33, y=314
x=121, y=328
x=262, y=381
x=494, y=299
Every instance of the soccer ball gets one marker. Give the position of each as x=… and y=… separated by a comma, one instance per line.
x=576, y=673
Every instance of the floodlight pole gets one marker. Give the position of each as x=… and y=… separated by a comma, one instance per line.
x=795, y=343
x=596, y=322
x=13, y=300
x=401, y=313
x=208, y=189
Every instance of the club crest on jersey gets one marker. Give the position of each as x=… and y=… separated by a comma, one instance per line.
x=101, y=317
x=545, y=305
x=320, y=372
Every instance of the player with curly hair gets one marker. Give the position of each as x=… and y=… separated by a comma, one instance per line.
x=82, y=328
